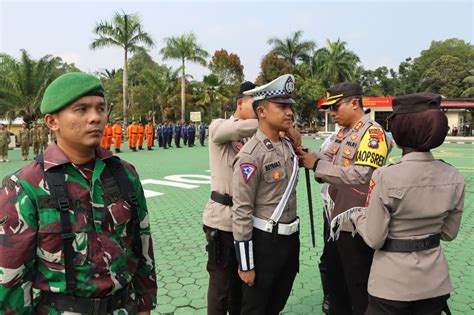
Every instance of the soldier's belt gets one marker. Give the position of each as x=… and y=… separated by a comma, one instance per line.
x=224, y=199
x=394, y=245
x=282, y=229
x=89, y=306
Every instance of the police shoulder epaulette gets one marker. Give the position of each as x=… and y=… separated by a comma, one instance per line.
x=250, y=146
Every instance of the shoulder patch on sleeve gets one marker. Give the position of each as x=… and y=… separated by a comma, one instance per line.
x=373, y=148
x=247, y=169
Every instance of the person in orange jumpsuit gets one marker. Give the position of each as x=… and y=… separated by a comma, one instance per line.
x=117, y=134
x=129, y=138
x=134, y=135
x=149, y=135
x=103, y=141
x=141, y=135
x=108, y=132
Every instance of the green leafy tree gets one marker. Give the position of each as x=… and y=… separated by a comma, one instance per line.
x=292, y=49
x=125, y=31
x=335, y=63
x=184, y=48
x=307, y=93
x=445, y=76
x=23, y=82
x=227, y=67
x=213, y=94
x=451, y=47
x=469, y=85
x=271, y=68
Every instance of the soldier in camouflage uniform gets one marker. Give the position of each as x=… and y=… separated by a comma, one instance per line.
x=24, y=138
x=43, y=135
x=108, y=274
x=35, y=138
x=4, y=141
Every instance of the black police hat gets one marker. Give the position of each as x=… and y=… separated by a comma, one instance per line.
x=339, y=91
x=246, y=86
x=415, y=103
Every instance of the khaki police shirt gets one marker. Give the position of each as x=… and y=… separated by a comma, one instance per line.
x=348, y=163
x=414, y=198
x=226, y=138
x=262, y=170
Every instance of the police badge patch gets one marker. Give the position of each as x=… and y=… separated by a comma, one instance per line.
x=248, y=169
x=289, y=85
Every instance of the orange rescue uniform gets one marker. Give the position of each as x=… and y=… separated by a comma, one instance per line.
x=149, y=135
x=133, y=135
x=117, y=133
x=141, y=134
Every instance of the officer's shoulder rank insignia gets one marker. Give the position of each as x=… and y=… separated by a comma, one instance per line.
x=358, y=125
x=346, y=162
x=334, y=149
x=248, y=169
x=347, y=152
x=268, y=144
x=353, y=136
x=340, y=135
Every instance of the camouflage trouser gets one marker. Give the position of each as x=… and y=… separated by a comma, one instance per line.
x=3, y=148
x=25, y=148
x=43, y=145
x=36, y=146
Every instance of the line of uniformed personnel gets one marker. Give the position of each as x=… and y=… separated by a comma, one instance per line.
x=37, y=138
x=138, y=135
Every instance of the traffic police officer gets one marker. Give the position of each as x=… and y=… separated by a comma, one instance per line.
x=347, y=165
x=264, y=220
x=4, y=142
x=24, y=138
x=74, y=223
x=226, y=137
x=412, y=204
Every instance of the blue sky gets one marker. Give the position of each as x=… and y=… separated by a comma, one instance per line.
x=382, y=33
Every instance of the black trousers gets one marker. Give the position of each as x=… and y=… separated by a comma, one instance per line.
x=225, y=287
x=177, y=139
x=276, y=265
x=433, y=306
x=201, y=139
x=349, y=260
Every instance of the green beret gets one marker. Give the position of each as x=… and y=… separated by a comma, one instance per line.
x=68, y=88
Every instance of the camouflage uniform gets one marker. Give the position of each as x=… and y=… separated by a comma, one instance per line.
x=24, y=138
x=35, y=139
x=44, y=133
x=31, y=254
x=4, y=141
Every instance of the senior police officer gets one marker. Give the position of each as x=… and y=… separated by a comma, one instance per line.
x=411, y=206
x=74, y=223
x=226, y=137
x=347, y=165
x=24, y=138
x=264, y=220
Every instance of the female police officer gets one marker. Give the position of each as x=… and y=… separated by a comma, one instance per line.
x=412, y=204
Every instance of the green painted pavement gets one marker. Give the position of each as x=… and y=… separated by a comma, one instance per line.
x=176, y=221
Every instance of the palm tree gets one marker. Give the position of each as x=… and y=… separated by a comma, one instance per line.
x=335, y=63
x=126, y=31
x=469, y=83
x=184, y=47
x=292, y=49
x=211, y=92
x=23, y=82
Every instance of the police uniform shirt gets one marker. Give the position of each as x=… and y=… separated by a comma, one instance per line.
x=412, y=199
x=226, y=138
x=262, y=171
